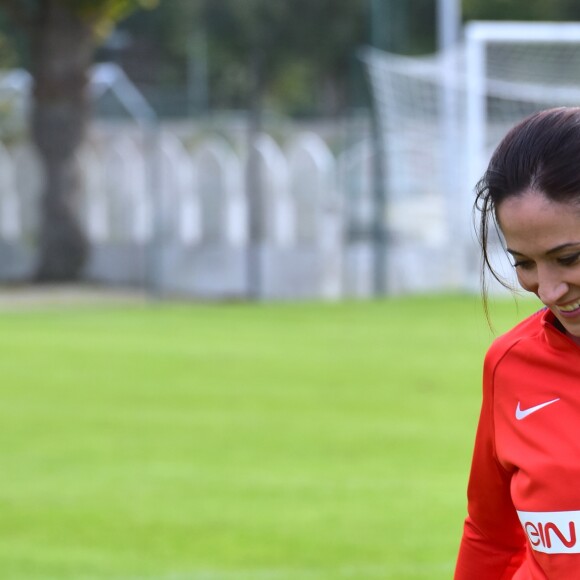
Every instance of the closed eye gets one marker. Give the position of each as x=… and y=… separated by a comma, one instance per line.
x=569, y=260
x=524, y=264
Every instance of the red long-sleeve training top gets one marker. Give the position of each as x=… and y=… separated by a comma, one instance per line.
x=524, y=487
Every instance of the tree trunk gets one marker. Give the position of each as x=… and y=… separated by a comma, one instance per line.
x=61, y=56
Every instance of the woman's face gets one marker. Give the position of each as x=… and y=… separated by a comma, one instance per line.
x=543, y=238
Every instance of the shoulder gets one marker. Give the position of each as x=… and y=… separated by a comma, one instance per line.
x=530, y=328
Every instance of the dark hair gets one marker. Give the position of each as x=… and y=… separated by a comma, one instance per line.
x=541, y=153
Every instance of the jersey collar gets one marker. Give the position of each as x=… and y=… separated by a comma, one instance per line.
x=554, y=332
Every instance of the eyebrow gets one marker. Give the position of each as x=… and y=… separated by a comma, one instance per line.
x=551, y=251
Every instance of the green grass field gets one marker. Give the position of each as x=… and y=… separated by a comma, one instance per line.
x=239, y=442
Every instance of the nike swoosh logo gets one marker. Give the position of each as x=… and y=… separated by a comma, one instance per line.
x=523, y=413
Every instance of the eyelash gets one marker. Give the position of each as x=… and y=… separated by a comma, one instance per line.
x=565, y=261
x=569, y=260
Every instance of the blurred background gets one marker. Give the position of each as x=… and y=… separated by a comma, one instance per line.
x=262, y=149
x=240, y=329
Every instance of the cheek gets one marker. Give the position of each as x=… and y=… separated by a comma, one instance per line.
x=526, y=280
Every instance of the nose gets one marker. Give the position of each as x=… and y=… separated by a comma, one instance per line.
x=551, y=288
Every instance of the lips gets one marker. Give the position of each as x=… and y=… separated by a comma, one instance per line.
x=568, y=308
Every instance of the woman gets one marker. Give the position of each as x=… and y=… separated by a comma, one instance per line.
x=524, y=489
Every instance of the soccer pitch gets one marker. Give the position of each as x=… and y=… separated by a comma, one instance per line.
x=239, y=442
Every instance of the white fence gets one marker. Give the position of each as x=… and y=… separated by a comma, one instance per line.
x=178, y=218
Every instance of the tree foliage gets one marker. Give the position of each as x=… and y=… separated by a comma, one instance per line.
x=564, y=10
x=281, y=43
x=95, y=13
x=302, y=49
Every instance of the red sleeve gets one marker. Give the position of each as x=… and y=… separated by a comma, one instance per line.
x=493, y=543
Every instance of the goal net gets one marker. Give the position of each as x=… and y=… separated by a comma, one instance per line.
x=441, y=117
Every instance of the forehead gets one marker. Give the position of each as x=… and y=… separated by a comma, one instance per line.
x=531, y=223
